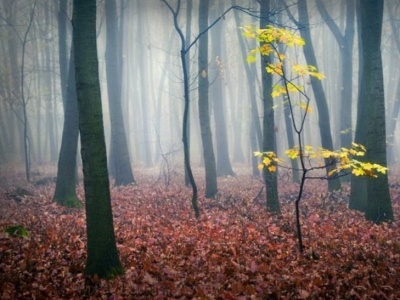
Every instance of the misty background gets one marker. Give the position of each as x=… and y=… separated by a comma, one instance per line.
x=151, y=82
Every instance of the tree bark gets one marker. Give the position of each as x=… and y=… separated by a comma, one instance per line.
x=371, y=130
x=120, y=162
x=270, y=178
x=65, y=192
x=102, y=255
x=204, y=112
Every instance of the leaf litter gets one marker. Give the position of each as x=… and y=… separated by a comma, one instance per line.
x=236, y=250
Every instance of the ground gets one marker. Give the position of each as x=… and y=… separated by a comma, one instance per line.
x=236, y=250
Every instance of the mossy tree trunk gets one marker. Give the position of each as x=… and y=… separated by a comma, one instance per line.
x=102, y=255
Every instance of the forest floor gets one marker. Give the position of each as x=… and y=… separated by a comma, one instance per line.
x=236, y=250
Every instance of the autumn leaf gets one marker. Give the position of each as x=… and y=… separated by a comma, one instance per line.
x=358, y=172
x=164, y=249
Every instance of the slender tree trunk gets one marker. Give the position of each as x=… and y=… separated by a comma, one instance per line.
x=254, y=116
x=65, y=193
x=204, y=111
x=345, y=42
x=51, y=126
x=186, y=90
x=144, y=92
x=120, y=161
x=188, y=33
x=270, y=178
x=24, y=100
x=393, y=113
x=224, y=167
x=319, y=93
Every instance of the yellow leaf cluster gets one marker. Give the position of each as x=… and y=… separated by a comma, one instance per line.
x=272, y=34
x=269, y=160
x=275, y=68
x=307, y=70
x=292, y=153
x=344, y=159
x=277, y=89
x=269, y=39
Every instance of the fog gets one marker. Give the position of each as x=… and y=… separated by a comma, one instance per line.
x=151, y=82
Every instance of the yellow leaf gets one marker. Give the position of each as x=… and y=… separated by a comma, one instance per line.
x=251, y=59
x=331, y=172
x=275, y=94
x=272, y=168
x=358, y=172
x=292, y=153
x=367, y=166
x=266, y=161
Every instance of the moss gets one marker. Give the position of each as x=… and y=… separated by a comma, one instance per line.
x=69, y=201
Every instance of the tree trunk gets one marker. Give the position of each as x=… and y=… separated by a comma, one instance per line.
x=256, y=142
x=371, y=114
x=186, y=90
x=319, y=93
x=204, y=112
x=120, y=161
x=270, y=178
x=102, y=254
x=345, y=42
x=188, y=33
x=224, y=167
x=65, y=193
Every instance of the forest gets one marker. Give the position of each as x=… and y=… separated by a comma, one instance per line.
x=183, y=149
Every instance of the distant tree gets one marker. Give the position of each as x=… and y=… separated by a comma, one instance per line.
x=255, y=125
x=223, y=162
x=19, y=106
x=11, y=125
x=320, y=97
x=188, y=33
x=345, y=42
x=393, y=111
x=120, y=162
x=102, y=255
x=62, y=22
x=185, y=137
x=145, y=93
x=372, y=196
x=204, y=111
x=65, y=192
x=51, y=101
